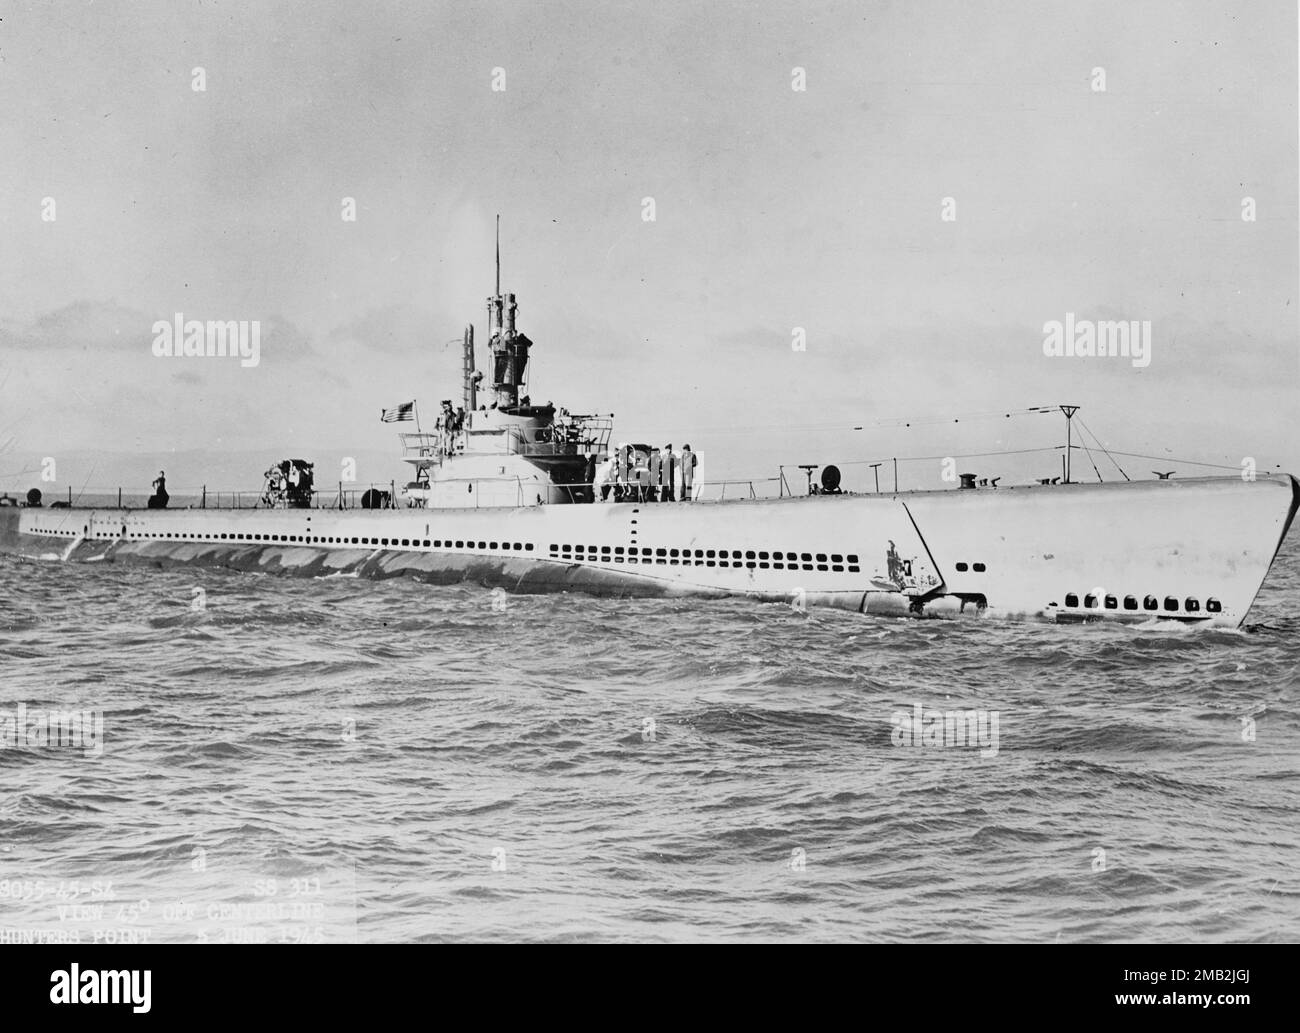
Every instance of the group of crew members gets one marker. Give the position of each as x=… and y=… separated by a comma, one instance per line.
x=450, y=420
x=633, y=474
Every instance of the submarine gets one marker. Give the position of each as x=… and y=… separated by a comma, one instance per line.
x=530, y=498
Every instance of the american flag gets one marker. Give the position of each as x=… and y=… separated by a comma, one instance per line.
x=405, y=411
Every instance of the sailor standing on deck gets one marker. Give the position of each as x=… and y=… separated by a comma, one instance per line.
x=604, y=479
x=621, y=471
x=688, y=463
x=158, y=500
x=669, y=474
x=656, y=474
x=642, y=475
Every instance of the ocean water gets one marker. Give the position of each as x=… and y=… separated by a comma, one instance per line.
x=335, y=759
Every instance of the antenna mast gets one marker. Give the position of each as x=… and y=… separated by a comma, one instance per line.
x=498, y=254
x=1069, y=411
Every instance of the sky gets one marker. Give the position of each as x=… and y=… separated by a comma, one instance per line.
x=775, y=208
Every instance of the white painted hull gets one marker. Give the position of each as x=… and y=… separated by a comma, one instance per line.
x=1200, y=549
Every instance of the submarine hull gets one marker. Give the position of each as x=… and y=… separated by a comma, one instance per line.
x=1195, y=550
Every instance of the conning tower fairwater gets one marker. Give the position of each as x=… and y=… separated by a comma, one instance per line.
x=509, y=452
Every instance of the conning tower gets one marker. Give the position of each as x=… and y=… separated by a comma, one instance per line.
x=509, y=452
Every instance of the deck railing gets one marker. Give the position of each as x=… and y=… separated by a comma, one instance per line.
x=348, y=495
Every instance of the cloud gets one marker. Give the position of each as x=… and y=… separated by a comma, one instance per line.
x=399, y=328
x=282, y=340
x=82, y=325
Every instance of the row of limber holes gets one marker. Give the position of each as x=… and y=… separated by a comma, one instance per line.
x=710, y=557
x=328, y=540
x=619, y=554
x=1110, y=602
